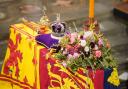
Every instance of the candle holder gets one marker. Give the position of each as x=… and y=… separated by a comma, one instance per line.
x=92, y=25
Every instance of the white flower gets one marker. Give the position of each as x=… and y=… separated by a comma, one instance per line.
x=86, y=49
x=82, y=42
x=96, y=47
x=88, y=34
x=62, y=49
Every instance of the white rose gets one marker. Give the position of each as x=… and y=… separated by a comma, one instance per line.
x=82, y=42
x=88, y=34
x=86, y=49
x=96, y=47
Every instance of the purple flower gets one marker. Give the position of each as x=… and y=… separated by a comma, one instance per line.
x=92, y=44
x=81, y=37
x=100, y=42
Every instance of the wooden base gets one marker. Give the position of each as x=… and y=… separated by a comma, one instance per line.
x=121, y=10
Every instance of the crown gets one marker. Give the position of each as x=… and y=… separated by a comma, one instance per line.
x=58, y=27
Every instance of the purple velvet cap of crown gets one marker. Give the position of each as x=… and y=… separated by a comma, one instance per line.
x=46, y=40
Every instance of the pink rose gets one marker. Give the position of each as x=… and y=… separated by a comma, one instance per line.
x=73, y=37
x=75, y=55
x=72, y=40
x=98, y=53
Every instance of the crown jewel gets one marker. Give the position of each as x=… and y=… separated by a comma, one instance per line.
x=58, y=27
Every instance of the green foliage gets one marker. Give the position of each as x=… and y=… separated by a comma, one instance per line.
x=60, y=56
